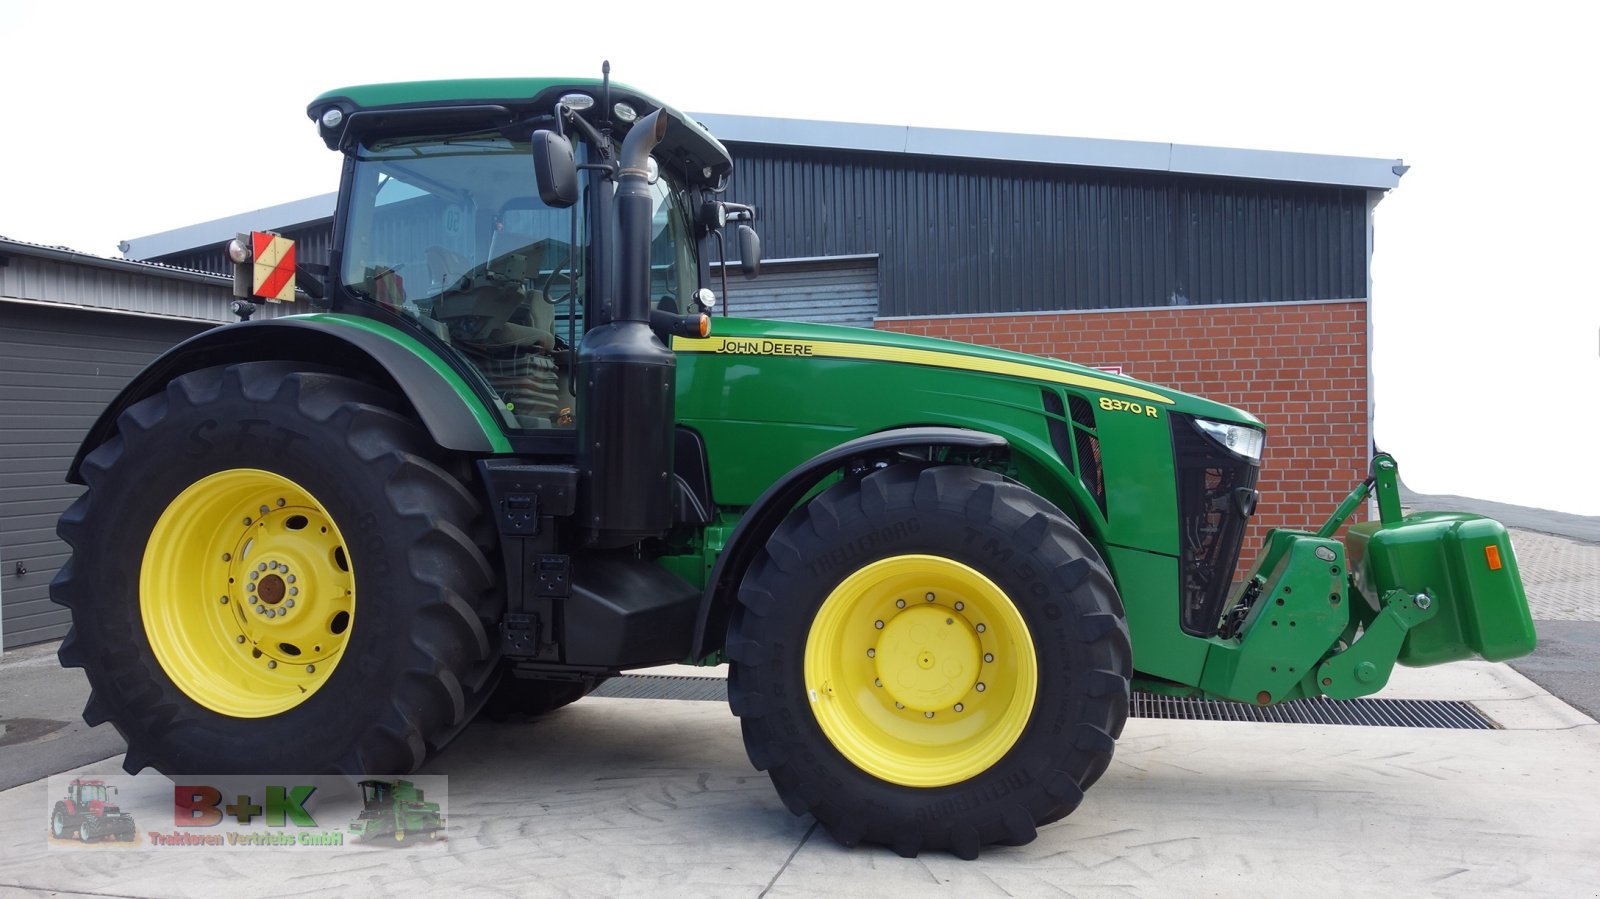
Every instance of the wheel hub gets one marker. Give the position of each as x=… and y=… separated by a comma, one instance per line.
x=927, y=659
x=246, y=593
x=920, y=670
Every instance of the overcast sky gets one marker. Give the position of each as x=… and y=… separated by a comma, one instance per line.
x=122, y=120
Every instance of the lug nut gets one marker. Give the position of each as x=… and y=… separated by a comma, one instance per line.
x=927, y=714
x=227, y=557
x=960, y=606
x=981, y=628
x=899, y=603
x=273, y=566
x=264, y=510
x=271, y=664
x=224, y=600
x=929, y=597
x=900, y=705
x=250, y=588
x=290, y=578
x=288, y=603
x=294, y=591
x=272, y=613
x=988, y=657
x=980, y=687
x=960, y=707
x=239, y=639
x=259, y=609
x=261, y=567
x=872, y=653
x=878, y=624
x=311, y=669
x=280, y=503
x=247, y=521
x=254, y=575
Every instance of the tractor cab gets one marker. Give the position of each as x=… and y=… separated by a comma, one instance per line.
x=447, y=229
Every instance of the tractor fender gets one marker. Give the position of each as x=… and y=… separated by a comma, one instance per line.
x=382, y=354
x=763, y=517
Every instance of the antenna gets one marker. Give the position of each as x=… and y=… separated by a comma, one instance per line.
x=605, y=90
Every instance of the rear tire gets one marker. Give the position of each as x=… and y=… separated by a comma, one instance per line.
x=929, y=658
x=236, y=477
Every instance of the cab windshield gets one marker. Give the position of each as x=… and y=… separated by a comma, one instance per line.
x=450, y=232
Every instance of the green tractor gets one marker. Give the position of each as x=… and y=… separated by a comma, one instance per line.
x=395, y=809
x=512, y=455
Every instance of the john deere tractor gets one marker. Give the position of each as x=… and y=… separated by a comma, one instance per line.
x=513, y=454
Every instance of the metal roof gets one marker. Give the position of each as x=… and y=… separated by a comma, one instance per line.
x=1181, y=159
x=1147, y=156
x=59, y=276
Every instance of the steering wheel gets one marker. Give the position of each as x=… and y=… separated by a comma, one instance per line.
x=558, y=275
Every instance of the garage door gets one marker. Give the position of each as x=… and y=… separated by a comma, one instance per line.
x=837, y=290
x=58, y=369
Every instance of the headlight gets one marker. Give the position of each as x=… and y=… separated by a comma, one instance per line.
x=1244, y=441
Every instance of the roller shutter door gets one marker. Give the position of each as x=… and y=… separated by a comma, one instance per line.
x=841, y=291
x=58, y=369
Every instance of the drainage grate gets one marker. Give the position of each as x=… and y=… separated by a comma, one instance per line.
x=1366, y=712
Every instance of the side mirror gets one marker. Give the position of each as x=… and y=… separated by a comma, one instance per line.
x=555, y=169
x=749, y=251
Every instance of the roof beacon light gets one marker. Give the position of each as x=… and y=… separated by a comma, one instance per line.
x=332, y=118
x=624, y=112
x=577, y=101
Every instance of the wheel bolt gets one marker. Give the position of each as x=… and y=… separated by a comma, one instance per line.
x=239, y=639
x=264, y=510
x=273, y=566
x=271, y=664
x=929, y=597
x=262, y=567
x=247, y=521
x=960, y=707
x=311, y=669
x=288, y=603
x=250, y=588
x=927, y=714
x=960, y=606
x=272, y=613
x=988, y=657
x=280, y=503
x=290, y=578
x=899, y=603
x=294, y=591
x=980, y=688
x=877, y=682
x=878, y=624
x=224, y=600
x=254, y=575
x=259, y=610
x=227, y=557
x=981, y=628
x=872, y=653
x=899, y=705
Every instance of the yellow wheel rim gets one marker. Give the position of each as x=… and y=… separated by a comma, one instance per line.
x=920, y=670
x=246, y=593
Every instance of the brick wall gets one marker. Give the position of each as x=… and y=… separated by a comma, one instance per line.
x=1301, y=368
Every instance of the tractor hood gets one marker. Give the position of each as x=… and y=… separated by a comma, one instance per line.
x=757, y=337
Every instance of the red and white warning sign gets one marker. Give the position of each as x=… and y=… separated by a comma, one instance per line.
x=273, y=276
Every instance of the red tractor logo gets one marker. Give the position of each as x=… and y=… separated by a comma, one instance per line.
x=87, y=812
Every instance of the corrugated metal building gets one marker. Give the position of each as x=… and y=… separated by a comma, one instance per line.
x=1237, y=274
x=74, y=329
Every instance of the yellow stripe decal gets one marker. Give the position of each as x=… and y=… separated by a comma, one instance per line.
x=833, y=349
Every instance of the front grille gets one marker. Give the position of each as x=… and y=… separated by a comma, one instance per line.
x=1215, y=497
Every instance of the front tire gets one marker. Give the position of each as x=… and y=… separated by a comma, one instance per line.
x=271, y=574
x=929, y=658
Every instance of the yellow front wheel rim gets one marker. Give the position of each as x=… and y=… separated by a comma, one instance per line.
x=920, y=670
x=246, y=592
